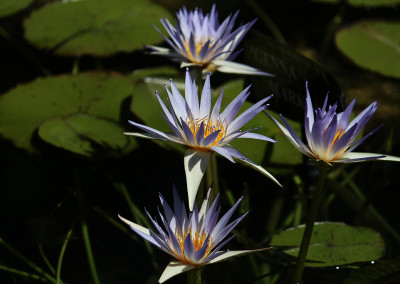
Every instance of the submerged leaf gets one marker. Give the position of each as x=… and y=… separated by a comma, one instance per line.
x=333, y=244
x=372, y=44
x=95, y=27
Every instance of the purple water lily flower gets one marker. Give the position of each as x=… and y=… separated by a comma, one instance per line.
x=205, y=131
x=194, y=239
x=330, y=135
x=199, y=40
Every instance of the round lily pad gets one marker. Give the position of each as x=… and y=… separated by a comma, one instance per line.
x=86, y=135
x=94, y=27
x=333, y=244
x=373, y=45
x=9, y=7
x=25, y=107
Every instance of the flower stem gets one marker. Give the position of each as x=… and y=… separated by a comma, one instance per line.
x=85, y=231
x=312, y=215
x=198, y=276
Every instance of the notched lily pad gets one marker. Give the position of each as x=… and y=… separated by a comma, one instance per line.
x=9, y=7
x=94, y=27
x=333, y=244
x=25, y=107
x=84, y=134
x=373, y=45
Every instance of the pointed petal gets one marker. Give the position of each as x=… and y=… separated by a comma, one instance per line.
x=360, y=156
x=205, y=103
x=136, y=226
x=238, y=68
x=235, y=253
x=260, y=169
x=257, y=136
x=292, y=136
x=350, y=157
x=155, y=133
x=195, y=166
x=174, y=268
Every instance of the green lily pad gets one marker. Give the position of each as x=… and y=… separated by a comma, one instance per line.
x=374, y=45
x=333, y=244
x=83, y=134
x=94, y=27
x=25, y=107
x=9, y=7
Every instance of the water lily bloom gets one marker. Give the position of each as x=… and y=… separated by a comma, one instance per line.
x=194, y=239
x=205, y=131
x=199, y=40
x=330, y=135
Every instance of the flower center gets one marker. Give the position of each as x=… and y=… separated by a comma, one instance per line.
x=199, y=45
x=209, y=127
x=198, y=241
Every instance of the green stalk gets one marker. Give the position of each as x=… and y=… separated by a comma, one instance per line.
x=23, y=273
x=46, y=260
x=62, y=252
x=39, y=270
x=85, y=232
x=198, y=275
x=312, y=215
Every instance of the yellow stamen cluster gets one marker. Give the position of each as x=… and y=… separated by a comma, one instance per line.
x=209, y=127
x=339, y=133
x=198, y=241
x=199, y=46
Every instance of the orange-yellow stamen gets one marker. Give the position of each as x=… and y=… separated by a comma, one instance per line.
x=198, y=241
x=199, y=46
x=209, y=127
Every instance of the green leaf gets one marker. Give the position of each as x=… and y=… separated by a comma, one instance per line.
x=25, y=107
x=95, y=27
x=333, y=244
x=9, y=7
x=84, y=134
x=372, y=44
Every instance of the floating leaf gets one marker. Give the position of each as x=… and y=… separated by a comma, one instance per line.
x=374, y=45
x=23, y=108
x=333, y=244
x=83, y=134
x=291, y=70
x=95, y=27
x=9, y=7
